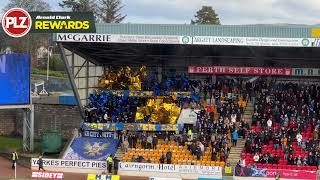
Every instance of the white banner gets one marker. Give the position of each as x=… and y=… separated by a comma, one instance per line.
x=252, y=41
x=122, y=38
x=197, y=40
x=105, y=134
x=188, y=116
x=62, y=163
x=170, y=168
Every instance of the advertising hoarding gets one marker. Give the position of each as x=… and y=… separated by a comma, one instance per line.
x=14, y=79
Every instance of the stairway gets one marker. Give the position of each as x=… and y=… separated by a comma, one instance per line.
x=247, y=115
x=119, y=154
x=235, y=152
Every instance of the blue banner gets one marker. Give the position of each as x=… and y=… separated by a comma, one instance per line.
x=87, y=148
x=131, y=127
x=14, y=79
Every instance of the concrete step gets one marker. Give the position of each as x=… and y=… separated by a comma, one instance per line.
x=236, y=150
x=119, y=154
x=232, y=156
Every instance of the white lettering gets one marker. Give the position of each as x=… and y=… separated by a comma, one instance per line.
x=13, y=21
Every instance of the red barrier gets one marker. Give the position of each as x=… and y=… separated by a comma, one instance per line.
x=261, y=71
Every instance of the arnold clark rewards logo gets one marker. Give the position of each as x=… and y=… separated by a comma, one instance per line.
x=17, y=22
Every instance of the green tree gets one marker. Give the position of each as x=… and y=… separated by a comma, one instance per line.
x=206, y=15
x=79, y=5
x=28, y=5
x=109, y=11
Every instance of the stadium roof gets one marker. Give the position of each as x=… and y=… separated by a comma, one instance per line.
x=263, y=30
x=111, y=53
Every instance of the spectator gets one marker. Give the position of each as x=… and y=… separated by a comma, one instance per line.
x=299, y=139
x=213, y=155
x=149, y=142
x=256, y=158
x=126, y=145
x=234, y=138
x=154, y=141
x=116, y=165
x=284, y=141
x=269, y=123
x=291, y=149
x=162, y=158
x=276, y=159
x=286, y=153
x=169, y=156
x=299, y=161
x=190, y=134
x=242, y=162
x=276, y=142
x=291, y=160
x=198, y=152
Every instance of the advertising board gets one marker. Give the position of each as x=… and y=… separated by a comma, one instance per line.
x=237, y=70
x=271, y=173
x=169, y=170
x=74, y=166
x=14, y=79
x=46, y=174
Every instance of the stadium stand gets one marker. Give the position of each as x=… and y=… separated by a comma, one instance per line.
x=283, y=134
x=285, y=128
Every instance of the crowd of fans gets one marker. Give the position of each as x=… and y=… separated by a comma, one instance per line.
x=285, y=125
x=106, y=107
x=284, y=129
x=218, y=125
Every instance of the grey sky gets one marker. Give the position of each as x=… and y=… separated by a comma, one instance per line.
x=230, y=11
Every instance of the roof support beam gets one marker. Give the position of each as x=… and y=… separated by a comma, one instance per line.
x=71, y=78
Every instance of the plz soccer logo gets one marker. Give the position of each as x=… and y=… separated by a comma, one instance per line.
x=16, y=22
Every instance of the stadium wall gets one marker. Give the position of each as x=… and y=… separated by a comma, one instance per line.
x=63, y=118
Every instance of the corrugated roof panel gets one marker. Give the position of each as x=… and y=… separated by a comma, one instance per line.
x=290, y=31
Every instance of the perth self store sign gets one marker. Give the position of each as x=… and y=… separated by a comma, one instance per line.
x=17, y=22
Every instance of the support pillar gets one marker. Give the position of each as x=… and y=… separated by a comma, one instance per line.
x=28, y=129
